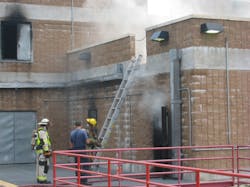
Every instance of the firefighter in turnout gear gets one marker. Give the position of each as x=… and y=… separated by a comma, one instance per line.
x=94, y=143
x=43, y=151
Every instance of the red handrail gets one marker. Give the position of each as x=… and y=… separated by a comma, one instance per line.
x=110, y=162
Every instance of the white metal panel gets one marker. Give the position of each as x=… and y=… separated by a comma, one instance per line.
x=24, y=125
x=24, y=42
x=15, y=135
x=6, y=136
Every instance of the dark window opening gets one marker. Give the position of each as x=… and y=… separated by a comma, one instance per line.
x=92, y=113
x=15, y=40
x=9, y=40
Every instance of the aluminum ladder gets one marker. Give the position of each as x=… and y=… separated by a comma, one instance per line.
x=118, y=100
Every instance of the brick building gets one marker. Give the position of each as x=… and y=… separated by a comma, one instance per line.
x=40, y=77
x=213, y=80
x=65, y=70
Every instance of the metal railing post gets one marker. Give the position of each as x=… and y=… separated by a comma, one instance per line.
x=147, y=175
x=109, y=173
x=54, y=168
x=233, y=160
x=179, y=164
x=197, y=177
x=78, y=171
x=119, y=170
x=238, y=164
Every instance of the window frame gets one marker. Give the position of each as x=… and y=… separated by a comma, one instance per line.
x=18, y=32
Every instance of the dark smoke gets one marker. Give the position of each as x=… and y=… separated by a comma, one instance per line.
x=15, y=13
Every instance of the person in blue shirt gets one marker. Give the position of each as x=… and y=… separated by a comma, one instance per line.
x=78, y=141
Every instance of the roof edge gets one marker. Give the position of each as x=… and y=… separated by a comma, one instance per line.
x=100, y=43
x=197, y=16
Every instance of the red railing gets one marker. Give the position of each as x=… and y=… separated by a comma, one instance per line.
x=180, y=170
x=243, y=162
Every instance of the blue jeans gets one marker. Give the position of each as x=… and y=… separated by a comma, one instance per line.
x=84, y=167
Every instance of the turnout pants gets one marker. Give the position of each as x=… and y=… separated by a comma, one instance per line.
x=42, y=167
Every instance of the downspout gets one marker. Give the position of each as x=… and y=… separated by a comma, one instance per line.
x=175, y=112
x=175, y=125
x=228, y=95
x=72, y=25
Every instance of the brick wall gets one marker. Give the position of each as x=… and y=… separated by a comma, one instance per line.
x=208, y=85
x=186, y=33
x=49, y=103
x=103, y=54
x=51, y=41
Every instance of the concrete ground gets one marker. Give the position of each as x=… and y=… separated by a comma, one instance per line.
x=14, y=175
x=21, y=174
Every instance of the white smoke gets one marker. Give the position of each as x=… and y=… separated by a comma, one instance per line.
x=152, y=101
x=119, y=18
x=161, y=10
x=122, y=16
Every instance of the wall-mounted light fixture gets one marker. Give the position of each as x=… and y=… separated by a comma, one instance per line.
x=85, y=56
x=211, y=28
x=160, y=36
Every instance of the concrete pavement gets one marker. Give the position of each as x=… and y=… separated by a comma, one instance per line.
x=12, y=175
x=19, y=174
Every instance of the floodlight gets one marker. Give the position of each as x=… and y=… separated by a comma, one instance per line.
x=211, y=28
x=85, y=56
x=160, y=36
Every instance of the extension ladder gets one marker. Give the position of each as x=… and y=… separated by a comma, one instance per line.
x=118, y=101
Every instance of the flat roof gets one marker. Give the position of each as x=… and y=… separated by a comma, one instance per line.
x=197, y=16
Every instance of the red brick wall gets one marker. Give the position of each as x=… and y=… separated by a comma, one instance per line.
x=133, y=127
x=111, y=52
x=49, y=103
x=51, y=41
x=208, y=86
x=187, y=33
x=210, y=106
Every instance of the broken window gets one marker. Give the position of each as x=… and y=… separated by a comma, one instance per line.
x=16, y=41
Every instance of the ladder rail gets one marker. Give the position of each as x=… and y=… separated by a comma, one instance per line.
x=118, y=101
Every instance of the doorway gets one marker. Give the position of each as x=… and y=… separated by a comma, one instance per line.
x=16, y=130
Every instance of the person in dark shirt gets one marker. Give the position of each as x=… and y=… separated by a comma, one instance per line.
x=78, y=141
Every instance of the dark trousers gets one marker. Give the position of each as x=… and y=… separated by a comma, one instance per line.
x=84, y=167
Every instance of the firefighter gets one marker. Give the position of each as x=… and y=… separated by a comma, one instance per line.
x=43, y=151
x=92, y=133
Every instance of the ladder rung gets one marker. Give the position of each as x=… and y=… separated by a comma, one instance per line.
x=118, y=100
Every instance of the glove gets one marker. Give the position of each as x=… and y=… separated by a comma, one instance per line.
x=47, y=154
x=98, y=143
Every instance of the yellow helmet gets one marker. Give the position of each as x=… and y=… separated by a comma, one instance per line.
x=91, y=121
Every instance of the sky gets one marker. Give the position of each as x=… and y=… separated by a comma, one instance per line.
x=172, y=9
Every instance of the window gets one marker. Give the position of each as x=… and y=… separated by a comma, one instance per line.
x=92, y=113
x=16, y=41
